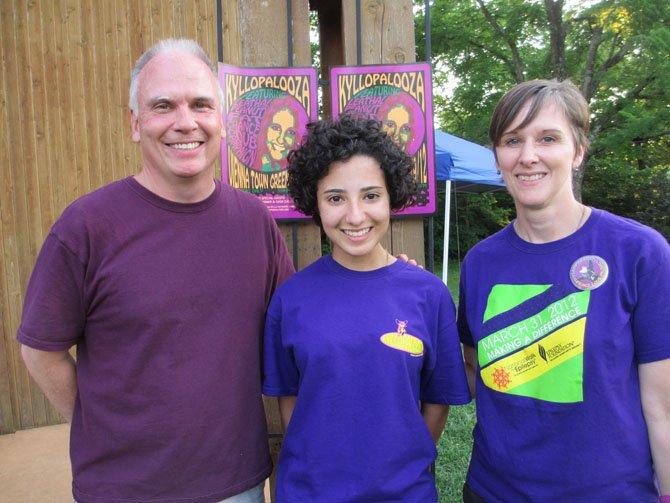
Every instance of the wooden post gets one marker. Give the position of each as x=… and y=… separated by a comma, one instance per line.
x=387, y=37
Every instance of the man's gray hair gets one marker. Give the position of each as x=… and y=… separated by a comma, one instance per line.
x=183, y=45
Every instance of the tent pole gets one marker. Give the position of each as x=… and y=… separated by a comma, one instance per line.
x=445, y=251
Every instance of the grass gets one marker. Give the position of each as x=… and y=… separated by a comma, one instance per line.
x=454, y=453
x=455, y=444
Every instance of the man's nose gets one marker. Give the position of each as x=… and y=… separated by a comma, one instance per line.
x=185, y=119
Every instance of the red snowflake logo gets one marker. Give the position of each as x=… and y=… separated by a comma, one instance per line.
x=501, y=378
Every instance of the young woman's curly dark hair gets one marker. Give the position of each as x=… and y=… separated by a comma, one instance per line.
x=327, y=142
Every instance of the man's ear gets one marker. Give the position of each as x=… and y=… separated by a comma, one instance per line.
x=134, y=127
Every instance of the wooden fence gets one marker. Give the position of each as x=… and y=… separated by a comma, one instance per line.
x=63, y=103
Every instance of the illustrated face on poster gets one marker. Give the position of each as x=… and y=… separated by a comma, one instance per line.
x=263, y=126
x=266, y=115
x=400, y=114
x=399, y=96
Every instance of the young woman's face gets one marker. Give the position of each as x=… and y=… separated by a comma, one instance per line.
x=355, y=211
x=537, y=160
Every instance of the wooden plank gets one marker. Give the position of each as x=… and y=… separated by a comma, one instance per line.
x=125, y=154
x=9, y=294
x=7, y=404
x=8, y=228
x=92, y=102
x=117, y=149
x=79, y=73
x=179, y=19
x=40, y=177
x=32, y=408
x=40, y=81
x=232, y=46
x=207, y=29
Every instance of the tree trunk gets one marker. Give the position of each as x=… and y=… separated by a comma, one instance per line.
x=557, y=37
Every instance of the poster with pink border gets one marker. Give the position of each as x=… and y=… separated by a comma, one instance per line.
x=265, y=114
x=400, y=96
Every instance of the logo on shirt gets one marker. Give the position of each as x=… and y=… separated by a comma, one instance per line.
x=589, y=272
x=402, y=341
x=536, y=345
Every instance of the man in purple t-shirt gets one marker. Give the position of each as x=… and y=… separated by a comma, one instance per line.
x=162, y=281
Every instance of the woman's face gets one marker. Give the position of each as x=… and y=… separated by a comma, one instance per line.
x=281, y=134
x=355, y=210
x=397, y=126
x=536, y=161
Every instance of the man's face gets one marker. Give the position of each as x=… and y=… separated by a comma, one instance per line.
x=179, y=125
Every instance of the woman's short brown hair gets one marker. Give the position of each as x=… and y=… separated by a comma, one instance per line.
x=535, y=93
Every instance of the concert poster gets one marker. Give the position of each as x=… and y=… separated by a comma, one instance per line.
x=265, y=114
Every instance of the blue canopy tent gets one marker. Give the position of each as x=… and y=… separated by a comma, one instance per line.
x=470, y=167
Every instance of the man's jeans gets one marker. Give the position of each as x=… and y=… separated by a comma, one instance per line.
x=253, y=495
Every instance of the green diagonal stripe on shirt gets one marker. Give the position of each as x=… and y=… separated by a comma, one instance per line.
x=505, y=297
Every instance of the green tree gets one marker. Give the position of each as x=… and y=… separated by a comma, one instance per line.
x=615, y=51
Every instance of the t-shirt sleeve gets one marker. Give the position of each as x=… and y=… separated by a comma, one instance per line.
x=651, y=316
x=53, y=315
x=280, y=374
x=446, y=382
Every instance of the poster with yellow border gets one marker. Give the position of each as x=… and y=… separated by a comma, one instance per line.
x=265, y=114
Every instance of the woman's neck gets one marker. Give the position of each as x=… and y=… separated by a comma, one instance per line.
x=550, y=224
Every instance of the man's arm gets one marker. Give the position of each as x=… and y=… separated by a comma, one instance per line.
x=56, y=375
x=286, y=406
x=470, y=357
x=655, y=392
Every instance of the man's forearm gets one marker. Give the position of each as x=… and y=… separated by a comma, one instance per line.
x=55, y=373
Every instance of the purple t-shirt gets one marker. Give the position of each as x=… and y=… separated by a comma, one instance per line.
x=560, y=329
x=166, y=305
x=361, y=350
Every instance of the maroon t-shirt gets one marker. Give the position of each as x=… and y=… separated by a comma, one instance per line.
x=166, y=303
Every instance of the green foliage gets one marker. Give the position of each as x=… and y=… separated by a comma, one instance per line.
x=473, y=217
x=642, y=195
x=615, y=51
